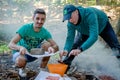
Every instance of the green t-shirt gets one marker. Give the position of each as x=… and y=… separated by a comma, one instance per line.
x=31, y=39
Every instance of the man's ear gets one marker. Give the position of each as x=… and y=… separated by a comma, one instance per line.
x=76, y=11
x=32, y=17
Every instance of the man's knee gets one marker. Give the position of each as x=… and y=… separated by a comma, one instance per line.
x=20, y=61
x=46, y=45
x=44, y=62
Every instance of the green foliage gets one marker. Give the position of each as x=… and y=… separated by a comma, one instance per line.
x=110, y=2
x=118, y=27
x=4, y=48
x=22, y=1
x=91, y=2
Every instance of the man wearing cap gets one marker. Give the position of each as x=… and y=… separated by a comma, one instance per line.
x=89, y=23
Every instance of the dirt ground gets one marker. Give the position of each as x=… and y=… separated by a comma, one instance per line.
x=9, y=72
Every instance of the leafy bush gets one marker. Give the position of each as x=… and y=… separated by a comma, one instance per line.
x=3, y=47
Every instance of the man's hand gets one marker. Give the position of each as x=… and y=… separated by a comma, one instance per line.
x=62, y=53
x=75, y=52
x=51, y=50
x=22, y=50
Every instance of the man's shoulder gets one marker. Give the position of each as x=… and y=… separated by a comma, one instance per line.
x=44, y=29
x=87, y=8
x=93, y=9
x=28, y=25
x=25, y=28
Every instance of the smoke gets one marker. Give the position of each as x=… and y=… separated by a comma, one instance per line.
x=12, y=17
x=99, y=60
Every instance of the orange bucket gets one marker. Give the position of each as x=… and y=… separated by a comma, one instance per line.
x=57, y=68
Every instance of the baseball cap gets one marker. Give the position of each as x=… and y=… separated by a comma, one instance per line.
x=67, y=11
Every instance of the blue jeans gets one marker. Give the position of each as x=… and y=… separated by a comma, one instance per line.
x=27, y=57
x=108, y=36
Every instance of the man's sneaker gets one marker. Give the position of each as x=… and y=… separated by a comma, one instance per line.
x=72, y=70
x=22, y=72
x=43, y=69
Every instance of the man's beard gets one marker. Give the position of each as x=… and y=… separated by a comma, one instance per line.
x=39, y=25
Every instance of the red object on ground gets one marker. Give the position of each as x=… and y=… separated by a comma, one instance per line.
x=105, y=77
x=52, y=78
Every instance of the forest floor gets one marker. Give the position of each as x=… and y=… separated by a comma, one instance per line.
x=9, y=72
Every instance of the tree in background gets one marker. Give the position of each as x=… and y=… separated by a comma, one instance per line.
x=118, y=27
x=15, y=11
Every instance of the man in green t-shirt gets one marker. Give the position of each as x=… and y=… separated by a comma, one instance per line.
x=29, y=36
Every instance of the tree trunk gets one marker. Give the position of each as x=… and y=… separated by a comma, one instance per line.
x=97, y=2
x=118, y=27
x=83, y=1
x=76, y=1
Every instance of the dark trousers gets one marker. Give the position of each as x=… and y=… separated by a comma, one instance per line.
x=108, y=36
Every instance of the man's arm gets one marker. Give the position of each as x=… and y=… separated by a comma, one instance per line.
x=12, y=45
x=53, y=44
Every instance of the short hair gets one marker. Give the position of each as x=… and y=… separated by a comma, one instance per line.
x=39, y=11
